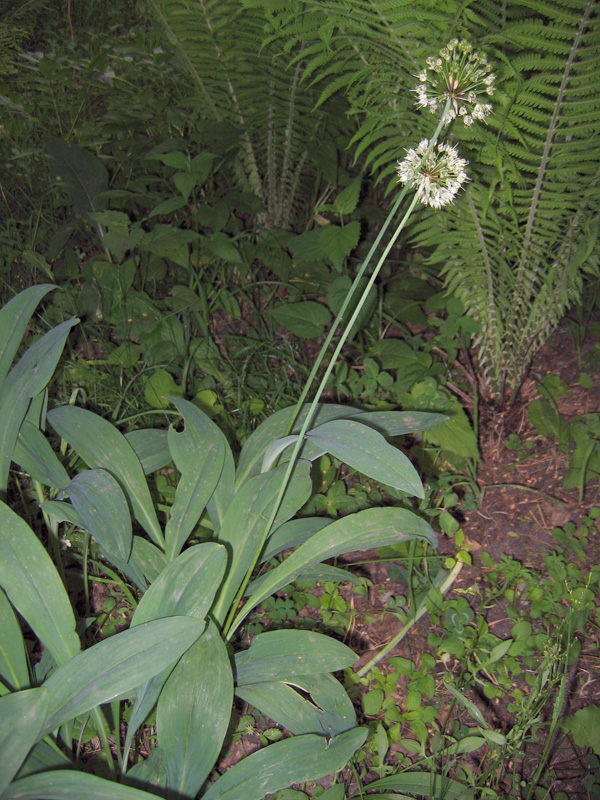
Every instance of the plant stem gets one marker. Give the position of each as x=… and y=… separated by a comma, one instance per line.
x=452, y=575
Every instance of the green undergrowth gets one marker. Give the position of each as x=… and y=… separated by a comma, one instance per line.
x=155, y=391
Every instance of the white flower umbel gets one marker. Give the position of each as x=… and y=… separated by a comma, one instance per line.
x=460, y=75
x=437, y=173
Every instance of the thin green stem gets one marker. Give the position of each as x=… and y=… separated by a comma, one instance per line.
x=452, y=575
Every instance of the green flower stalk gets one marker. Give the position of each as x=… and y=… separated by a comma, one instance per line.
x=437, y=173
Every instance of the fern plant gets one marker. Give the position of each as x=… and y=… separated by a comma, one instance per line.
x=285, y=144
x=520, y=243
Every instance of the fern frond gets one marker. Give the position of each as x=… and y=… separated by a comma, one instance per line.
x=238, y=80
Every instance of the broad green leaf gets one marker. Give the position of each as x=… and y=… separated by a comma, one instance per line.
x=34, y=587
x=296, y=760
x=456, y=435
x=14, y=318
x=79, y=172
x=22, y=715
x=160, y=388
x=66, y=784
x=186, y=586
x=323, y=707
x=428, y=784
x=13, y=660
x=146, y=696
x=193, y=713
x=199, y=454
x=398, y=423
x=585, y=727
x=62, y=512
x=367, y=451
x=149, y=773
x=25, y=381
x=101, y=504
x=274, y=427
x=326, y=572
x=44, y=756
x=33, y=453
x=147, y=558
x=347, y=200
x=306, y=319
x=246, y=518
x=168, y=241
x=282, y=449
x=373, y=527
x=223, y=247
x=338, y=242
x=102, y=446
x=116, y=666
x=151, y=447
x=280, y=655
x=291, y=534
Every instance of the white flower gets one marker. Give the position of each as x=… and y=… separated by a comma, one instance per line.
x=461, y=75
x=437, y=173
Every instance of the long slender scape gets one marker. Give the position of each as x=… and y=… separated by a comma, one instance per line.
x=232, y=622
x=355, y=284
x=452, y=575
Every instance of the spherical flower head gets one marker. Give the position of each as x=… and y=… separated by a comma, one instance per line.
x=437, y=172
x=461, y=75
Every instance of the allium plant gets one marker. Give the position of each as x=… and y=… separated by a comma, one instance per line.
x=437, y=173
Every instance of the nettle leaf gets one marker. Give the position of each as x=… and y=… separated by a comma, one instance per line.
x=79, y=172
x=306, y=319
x=223, y=247
x=585, y=727
x=347, y=200
x=338, y=242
